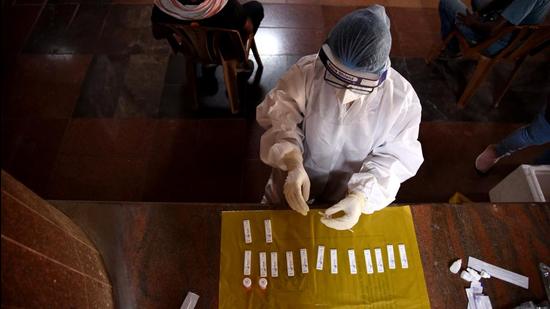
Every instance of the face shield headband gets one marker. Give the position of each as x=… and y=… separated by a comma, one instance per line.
x=338, y=76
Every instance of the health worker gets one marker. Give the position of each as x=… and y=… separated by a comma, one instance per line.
x=342, y=125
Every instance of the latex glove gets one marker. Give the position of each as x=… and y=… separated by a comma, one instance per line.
x=352, y=206
x=297, y=185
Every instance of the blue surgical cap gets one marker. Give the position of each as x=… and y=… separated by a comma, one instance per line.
x=361, y=40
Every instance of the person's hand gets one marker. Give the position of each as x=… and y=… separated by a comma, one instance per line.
x=469, y=20
x=352, y=206
x=297, y=185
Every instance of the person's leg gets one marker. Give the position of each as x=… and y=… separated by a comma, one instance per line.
x=448, y=9
x=539, y=12
x=526, y=12
x=536, y=133
x=447, y=15
x=208, y=84
x=499, y=45
x=255, y=11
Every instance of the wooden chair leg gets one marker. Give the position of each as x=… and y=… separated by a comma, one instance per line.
x=192, y=82
x=256, y=54
x=500, y=95
x=230, y=78
x=173, y=43
x=484, y=64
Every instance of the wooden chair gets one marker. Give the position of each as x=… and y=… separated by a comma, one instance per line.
x=212, y=46
x=527, y=40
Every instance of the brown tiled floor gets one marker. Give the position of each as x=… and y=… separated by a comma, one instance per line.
x=17, y=23
x=95, y=109
x=30, y=149
x=45, y=86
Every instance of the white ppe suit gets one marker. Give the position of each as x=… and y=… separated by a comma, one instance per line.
x=367, y=145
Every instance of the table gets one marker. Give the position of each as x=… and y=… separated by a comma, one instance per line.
x=156, y=252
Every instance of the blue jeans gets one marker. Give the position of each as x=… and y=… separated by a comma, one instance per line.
x=536, y=133
x=448, y=9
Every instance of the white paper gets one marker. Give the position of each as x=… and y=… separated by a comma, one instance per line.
x=333, y=261
x=476, y=299
x=263, y=264
x=498, y=272
x=274, y=265
x=391, y=257
x=320, y=257
x=403, y=256
x=290, y=264
x=247, y=262
x=379, y=260
x=352, y=263
x=247, y=232
x=190, y=301
x=466, y=275
x=476, y=287
x=471, y=300
x=484, y=274
x=475, y=274
x=303, y=261
x=483, y=302
x=268, y=234
x=368, y=261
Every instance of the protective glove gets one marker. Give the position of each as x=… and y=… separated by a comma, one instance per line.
x=352, y=206
x=297, y=185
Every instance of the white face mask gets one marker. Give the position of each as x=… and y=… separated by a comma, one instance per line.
x=345, y=96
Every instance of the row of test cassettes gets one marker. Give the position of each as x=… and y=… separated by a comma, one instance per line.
x=391, y=263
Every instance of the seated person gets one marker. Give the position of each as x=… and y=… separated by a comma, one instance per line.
x=230, y=14
x=210, y=13
x=488, y=18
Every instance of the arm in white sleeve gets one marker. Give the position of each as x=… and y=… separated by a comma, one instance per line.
x=393, y=162
x=280, y=113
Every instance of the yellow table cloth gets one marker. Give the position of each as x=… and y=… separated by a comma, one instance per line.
x=394, y=288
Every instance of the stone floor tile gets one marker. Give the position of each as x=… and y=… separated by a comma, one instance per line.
x=278, y=41
x=17, y=23
x=48, y=33
x=45, y=86
x=30, y=148
x=292, y=16
x=102, y=86
x=173, y=155
x=117, y=178
x=142, y=89
x=105, y=137
x=255, y=176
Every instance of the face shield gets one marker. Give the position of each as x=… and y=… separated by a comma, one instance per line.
x=337, y=75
